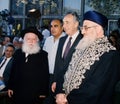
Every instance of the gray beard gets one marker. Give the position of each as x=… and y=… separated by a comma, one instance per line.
x=30, y=49
x=85, y=42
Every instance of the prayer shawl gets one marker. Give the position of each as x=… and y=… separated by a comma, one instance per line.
x=81, y=62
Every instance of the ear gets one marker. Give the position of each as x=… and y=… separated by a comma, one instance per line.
x=76, y=24
x=98, y=28
x=100, y=31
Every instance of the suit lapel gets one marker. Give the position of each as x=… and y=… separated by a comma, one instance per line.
x=61, y=44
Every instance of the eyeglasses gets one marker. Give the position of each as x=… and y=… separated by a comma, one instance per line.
x=86, y=28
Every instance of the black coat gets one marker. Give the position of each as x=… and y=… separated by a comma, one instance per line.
x=7, y=71
x=98, y=87
x=29, y=79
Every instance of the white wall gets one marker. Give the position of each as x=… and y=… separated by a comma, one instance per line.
x=4, y=4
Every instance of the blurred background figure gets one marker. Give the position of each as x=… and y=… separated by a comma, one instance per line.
x=5, y=40
x=114, y=38
x=46, y=33
x=11, y=22
x=17, y=42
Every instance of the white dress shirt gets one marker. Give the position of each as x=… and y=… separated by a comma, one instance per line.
x=50, y=46
x=72, y=41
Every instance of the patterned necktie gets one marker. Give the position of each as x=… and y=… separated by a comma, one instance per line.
x=67, y=48
x=3, y=63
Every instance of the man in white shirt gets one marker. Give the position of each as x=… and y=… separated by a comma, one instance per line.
x=51, y=44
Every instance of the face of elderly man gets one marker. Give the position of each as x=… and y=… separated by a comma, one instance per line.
x=70, y=24
x=92, y=29
x=31, y=39
x=31, y=43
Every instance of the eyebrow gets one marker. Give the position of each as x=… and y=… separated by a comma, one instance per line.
x=54, y=25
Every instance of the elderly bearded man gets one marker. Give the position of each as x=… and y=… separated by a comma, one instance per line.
x=94, y=69
x=29, y=78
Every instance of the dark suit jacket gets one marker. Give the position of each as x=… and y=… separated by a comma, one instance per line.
x=62, y=64
x=6, y=73
x=1, y=51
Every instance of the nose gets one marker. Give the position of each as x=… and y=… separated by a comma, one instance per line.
x=64, y=26
x=83, y=31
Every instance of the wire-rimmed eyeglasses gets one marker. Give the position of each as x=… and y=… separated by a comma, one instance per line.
x=86, y=28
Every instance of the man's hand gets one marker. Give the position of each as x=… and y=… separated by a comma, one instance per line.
x=61, y=99
x=10, y=93
x=53, y=87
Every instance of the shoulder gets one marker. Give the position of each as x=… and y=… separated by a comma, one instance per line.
x=42, y=52
x=63, y=38
x=111, y=56
x=17, y=52
x=113, y=53
x=49, y=38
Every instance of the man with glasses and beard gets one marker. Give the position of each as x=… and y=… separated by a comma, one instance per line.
x=94, y=68
x=29, y=78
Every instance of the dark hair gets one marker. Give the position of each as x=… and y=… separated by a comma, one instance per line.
x=60, y=20
x=10, y=45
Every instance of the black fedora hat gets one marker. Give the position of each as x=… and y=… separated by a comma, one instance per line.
x=32, y=30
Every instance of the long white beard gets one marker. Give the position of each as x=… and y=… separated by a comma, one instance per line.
x=30, y=49
x=85, y=42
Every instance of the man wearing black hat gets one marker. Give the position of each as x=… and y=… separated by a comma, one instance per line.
x=29, y=75
x=94, y=69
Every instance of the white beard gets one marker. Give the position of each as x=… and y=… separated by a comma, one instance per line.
x=30, y=49
x=85, y=42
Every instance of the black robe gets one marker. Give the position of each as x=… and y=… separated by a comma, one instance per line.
x=98, y=87
x=29, y=79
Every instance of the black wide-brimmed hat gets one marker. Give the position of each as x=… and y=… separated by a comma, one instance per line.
x=96, y=17
x=32, y=30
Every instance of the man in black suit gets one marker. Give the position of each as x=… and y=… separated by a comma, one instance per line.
x=6, y=63
x=71, y=27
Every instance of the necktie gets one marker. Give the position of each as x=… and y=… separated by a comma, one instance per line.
x=3, y=63
x=67, y=48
